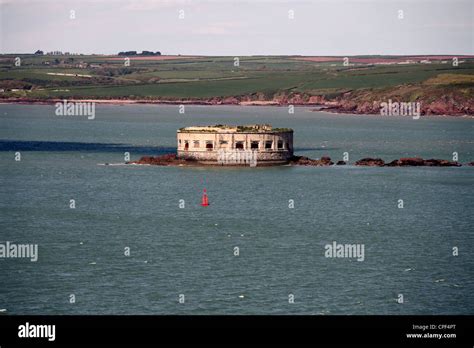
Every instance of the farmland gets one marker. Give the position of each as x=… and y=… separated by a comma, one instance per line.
x=277, y=79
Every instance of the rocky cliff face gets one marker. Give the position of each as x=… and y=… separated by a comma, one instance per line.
x=433, y=100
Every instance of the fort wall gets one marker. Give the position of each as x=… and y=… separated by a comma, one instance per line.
x=233, y=143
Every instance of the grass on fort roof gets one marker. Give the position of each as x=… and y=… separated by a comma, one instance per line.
x=241, y=129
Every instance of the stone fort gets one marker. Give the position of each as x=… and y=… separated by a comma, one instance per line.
x=236, y=145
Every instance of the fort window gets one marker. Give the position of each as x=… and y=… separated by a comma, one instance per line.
x=223, y=142
x=254, y=145
x=288, y=146
x=268, y=144
x=196, y=143
x=209, y=145
x=280, y=144
x=186, y=146
x=239, y=145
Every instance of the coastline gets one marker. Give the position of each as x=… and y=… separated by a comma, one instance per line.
x=332, y=107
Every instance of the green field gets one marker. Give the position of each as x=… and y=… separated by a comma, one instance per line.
x=208, y=77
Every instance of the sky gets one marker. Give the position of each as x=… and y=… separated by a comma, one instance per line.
x=239, y=27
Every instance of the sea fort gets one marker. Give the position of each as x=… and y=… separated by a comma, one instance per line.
x=235, y=145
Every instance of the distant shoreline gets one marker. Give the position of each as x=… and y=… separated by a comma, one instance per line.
x=333, y=109
x=364, y=85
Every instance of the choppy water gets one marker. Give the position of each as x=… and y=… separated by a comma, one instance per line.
x=190, y=251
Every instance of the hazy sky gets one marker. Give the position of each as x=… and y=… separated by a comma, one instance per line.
x=233, y=27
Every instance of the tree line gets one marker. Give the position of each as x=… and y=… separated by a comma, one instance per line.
x=135, y=53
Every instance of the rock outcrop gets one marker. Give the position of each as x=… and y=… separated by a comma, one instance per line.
x=163, y=160
x=416, y=161
x=403, y=162
x=370, y=162
x=306, y=161
x=172, y=160
x=407, y=162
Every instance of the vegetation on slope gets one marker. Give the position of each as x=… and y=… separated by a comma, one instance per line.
x=281, y=80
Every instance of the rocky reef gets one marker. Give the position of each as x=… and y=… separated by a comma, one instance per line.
x=306, y=161
x=370, y=162
x=172, y=160
x=407, y=162
x=163, y=160
x=416, y=161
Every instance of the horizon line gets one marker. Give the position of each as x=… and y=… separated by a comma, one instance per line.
x=469, y=55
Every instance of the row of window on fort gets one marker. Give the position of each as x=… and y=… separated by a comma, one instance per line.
x=238, y=145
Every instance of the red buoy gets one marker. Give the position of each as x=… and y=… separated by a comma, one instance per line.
x=205, y=200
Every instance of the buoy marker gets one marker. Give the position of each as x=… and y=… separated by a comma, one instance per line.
x=205, y=199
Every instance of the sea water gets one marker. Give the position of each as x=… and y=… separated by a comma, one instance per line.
x=124, y=239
